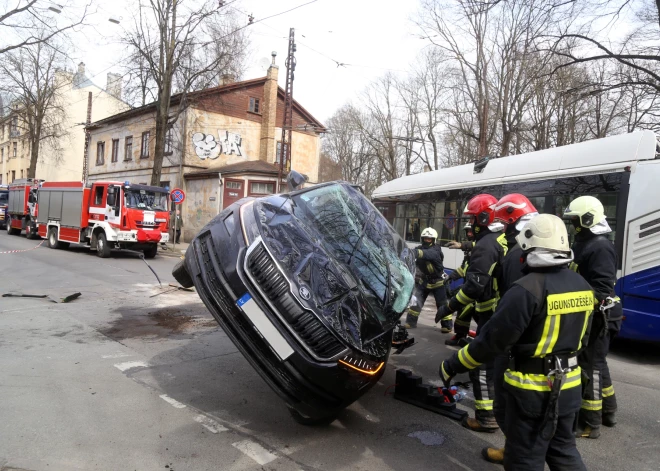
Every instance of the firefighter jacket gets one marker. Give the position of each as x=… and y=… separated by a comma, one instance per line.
x=480, y=285
x=459, y=273
x=512, y=265
x=595, y=259
x=429, y=263
x=545, y=315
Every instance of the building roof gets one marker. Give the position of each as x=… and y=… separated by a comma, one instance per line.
x=249, y=166
x=221, y=89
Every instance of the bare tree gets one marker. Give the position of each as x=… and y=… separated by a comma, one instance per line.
x=30, y=76
x=32, y=22
x=179, y=48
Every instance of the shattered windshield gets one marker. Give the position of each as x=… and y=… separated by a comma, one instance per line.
x=145, y=199
x=360, y=238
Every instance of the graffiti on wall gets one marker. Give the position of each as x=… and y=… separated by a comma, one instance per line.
x=206, y=146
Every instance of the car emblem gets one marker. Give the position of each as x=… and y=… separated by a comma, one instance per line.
x=304, y=293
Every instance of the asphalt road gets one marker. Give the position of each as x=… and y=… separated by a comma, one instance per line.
x=127, y=378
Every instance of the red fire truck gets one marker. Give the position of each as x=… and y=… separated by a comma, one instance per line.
x=103, y=215
x=22, y=206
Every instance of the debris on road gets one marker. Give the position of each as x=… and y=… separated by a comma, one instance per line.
x=65, y=299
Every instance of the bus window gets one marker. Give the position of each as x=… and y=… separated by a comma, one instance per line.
x=538, y=202
x=446, y=220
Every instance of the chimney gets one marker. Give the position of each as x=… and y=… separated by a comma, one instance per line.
x=79, y=77
x=226, y=79
x=268, y=114
x=113, y=86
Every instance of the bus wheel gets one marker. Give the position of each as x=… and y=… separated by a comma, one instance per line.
x=151, y=251
x=102, y=247
x=53, y=243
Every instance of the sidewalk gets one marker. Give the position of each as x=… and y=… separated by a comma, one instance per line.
x=178, y=251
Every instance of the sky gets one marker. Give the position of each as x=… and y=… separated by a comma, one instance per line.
x=369, y=36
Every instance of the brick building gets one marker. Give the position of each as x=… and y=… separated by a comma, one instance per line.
x=223, y=146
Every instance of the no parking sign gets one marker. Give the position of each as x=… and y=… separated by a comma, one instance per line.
x=177, y=196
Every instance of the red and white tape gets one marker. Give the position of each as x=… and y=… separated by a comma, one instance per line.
x=26, y=250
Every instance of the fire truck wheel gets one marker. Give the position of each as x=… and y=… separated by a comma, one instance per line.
x=11, y=230
x=102, y=247
x=53, y=243
x=151, y=251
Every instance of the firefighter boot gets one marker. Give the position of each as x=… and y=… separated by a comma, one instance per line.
x=586, y=431
x=411, y=321
x=446, y=325
x=493, y=455
x=476, y=426
x=609, y=419
x=456, y=341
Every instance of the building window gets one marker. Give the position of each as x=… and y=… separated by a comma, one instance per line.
x=100, y=153
x=233, y=185
x=262, y=188
x=2, y=155
x=15, y=149
x=144, y=150
x=2, y=132
x=168, y=141
x=21, y=173
x=115, y=150
x=254, y=105
x=278, y=152
x=128, y=148
x=14, y=126
x=13, y=175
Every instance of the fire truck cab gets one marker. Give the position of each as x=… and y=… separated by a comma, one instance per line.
x=104, y=215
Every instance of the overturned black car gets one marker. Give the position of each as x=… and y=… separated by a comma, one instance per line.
x=309, y=285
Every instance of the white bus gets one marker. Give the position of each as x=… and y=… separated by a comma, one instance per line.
x=621, y=171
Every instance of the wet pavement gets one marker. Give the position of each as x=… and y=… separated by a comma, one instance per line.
x=130, y=376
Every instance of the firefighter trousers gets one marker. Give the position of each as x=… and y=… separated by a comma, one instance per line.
x=526, y=450
x=501, y=364
x=483, y=379
x=597, y=391
x=422, y=292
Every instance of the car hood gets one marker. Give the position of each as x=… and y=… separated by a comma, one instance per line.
x=343, y=259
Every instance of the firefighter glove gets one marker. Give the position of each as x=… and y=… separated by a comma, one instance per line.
x=446, y=373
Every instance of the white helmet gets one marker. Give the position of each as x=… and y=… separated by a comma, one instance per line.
x=430, y=233
x=547, y=232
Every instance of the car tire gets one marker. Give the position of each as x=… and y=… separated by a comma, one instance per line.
x=53, y=243
x=312, y=421
x=151, y=251
x=102, y=247
x=180, y=274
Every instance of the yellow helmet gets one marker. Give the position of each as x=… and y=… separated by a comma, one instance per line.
x=587, y=209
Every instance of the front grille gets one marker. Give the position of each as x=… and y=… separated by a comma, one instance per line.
x=309, y=328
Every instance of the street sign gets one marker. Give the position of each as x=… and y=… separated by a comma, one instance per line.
x=177, y=195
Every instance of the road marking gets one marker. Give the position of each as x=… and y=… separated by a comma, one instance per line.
x=130, y=364
x=255, y=451
x=117, y=355
x=458, y=463
x=210, y=424
x=172, y=401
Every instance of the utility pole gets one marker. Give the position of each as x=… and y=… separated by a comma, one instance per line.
x=287, y=125
x=88, y=121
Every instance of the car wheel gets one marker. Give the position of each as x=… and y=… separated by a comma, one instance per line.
x=53, y=243
x=102, y=247
x=312, y=421
x=151, y=251
x=180, y=274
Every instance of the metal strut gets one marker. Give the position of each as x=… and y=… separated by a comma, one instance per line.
x=287, y=125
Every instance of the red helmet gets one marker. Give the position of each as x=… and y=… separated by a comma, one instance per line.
x=511, y=208
x=482, y=207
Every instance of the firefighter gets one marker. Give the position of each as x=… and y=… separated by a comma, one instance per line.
x=595, y=260
x=431, y=278
x=479, y=288
x=514, y=211
x=542, y=383
x=464, y=317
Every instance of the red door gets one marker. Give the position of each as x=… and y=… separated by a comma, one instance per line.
x=233, y=191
